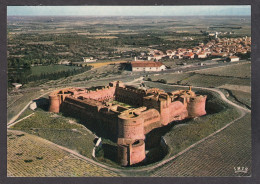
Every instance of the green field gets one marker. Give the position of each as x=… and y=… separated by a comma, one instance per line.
x=238, y=70
x=38, y=70
x=239, y=75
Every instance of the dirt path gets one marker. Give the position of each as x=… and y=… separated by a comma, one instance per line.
x=12, y=121
x=135, y=81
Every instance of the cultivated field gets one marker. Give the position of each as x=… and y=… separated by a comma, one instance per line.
x=217, y=156
x=38, y=70
x=31, y=156
x=238, y=75
x=242, y=70
x=100, y=64
x=242, y=97
x=60, y=130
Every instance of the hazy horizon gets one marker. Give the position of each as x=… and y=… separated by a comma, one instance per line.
x=214, y=10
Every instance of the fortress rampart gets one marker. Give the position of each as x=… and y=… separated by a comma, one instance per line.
x=151, y=108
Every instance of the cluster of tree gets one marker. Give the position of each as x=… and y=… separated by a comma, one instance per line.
x=24, y=75
x=79, y=46
x=17, y=63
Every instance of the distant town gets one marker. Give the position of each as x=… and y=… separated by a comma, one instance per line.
x=219, y=47
x=225, y=48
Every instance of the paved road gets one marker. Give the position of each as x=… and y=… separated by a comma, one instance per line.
x=187, y=68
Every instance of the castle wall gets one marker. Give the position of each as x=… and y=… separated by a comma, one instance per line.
x=178, y=111
x=165, y=116
x=174, y=111
x=151, y=103
x=151, y=119
x=92, y=114
x=129, y=96
x=100, y=94
x=196, y=106
x=109, y=121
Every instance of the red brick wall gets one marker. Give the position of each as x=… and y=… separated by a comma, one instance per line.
x=129, y=96
x=101, y=94
x=151, y=120
x=178, y=111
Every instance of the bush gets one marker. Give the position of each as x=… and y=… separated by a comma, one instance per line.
x=162, y=81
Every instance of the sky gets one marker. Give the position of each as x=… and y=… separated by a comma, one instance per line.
x=128, y=10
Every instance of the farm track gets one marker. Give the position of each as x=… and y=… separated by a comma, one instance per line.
x=236, y=99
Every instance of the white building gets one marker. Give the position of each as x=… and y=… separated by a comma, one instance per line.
x=17, y=85
x=89, y=59
x=155, y=57
x=148, y=66
x=201, y=55
x=233, y=58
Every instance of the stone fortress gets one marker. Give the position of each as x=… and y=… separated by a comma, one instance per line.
x=148, y=109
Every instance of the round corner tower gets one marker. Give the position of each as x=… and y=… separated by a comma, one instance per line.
x=54, y=100
x=196, y=106
x=131, y=153
x=130, y=127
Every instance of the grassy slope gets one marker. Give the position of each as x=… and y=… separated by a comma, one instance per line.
x=20, y=103
x=217, y=156
x=46, y=159
x=59, y=130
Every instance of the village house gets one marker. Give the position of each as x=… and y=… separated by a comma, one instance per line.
x=138, y=66
x=89, y=59
x=233, y=58
x=188, y=55
x=201, y=55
